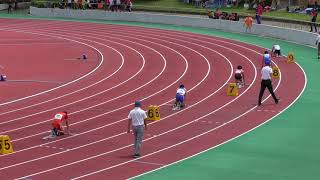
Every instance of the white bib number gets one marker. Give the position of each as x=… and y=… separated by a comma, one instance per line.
x=58, y=116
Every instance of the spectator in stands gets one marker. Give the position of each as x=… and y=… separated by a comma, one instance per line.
x=129, y=5
x=314, y=14
x=75, y=2
x=217, y=14
x=80, y=4
x=107, y=4
x=210, y=14
x=248, y=23
x=100, y=4
x=224, y=15
x=234, y=3
x=15, y=4
x=197, y=3
x=88, y=4
x=234, y=17
x=118, y=5
x=69, y=4
x=259, y=11
x=112, y=5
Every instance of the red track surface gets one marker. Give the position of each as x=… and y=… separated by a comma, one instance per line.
x=136, y=63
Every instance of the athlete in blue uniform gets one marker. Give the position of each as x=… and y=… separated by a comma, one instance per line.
x=266, y=61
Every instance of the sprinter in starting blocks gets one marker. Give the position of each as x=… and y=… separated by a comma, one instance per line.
x=180, y=98
x=3, y=77
x=57, y=127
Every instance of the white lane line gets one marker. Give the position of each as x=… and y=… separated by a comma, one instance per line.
x=53, y=147
x=143, y=98
x=75, y=91
x=198, y=82
x=98, y=115
x=149, y=163
x=66, y=84
x=155, y=135
x=30, y=44
x=231, y=73
x=166, y=148
x=118, y=96
x=206, y=98
x=125, y=94
x=305, y=84
x=34, y=81
x=143, y=64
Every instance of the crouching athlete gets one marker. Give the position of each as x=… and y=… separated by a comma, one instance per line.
x=180, y=97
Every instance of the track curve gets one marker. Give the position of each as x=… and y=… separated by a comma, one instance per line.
x=155, y=62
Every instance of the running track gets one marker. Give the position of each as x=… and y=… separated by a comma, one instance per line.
x=125, y=63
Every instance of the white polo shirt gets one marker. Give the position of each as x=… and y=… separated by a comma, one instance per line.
x=181, y=91
x=137, y=115
x=239, y=71
x=266, y=73
x=276, y=47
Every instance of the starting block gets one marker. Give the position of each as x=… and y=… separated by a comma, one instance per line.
x=232, y=89
x=290, y=58
x=84, y=57
x=5, y=145
x=153, y=113
x=275, y=72
x=3, y=77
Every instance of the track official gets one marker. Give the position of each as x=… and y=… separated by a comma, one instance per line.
x=137, y=119
x=266, y=73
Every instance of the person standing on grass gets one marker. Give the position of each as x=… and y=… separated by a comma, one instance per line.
x=318, y=44
x=137, y=119
x=266, y=73
x=314, y=14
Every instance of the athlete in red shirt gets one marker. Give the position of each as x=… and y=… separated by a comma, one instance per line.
x=57, y=128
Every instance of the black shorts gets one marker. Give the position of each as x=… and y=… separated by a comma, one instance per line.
x=57, y=132
x=277, y=52
x=238, y=76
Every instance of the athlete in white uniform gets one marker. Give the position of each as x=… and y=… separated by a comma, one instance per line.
x=180, y=96
x=276, y=50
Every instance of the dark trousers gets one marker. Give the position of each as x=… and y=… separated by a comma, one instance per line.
x=267, y=84
x=258, y=19
x=57, y=132
x=313, y=24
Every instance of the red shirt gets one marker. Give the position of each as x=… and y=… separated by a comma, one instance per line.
x=58, y=118
x=259, y=9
